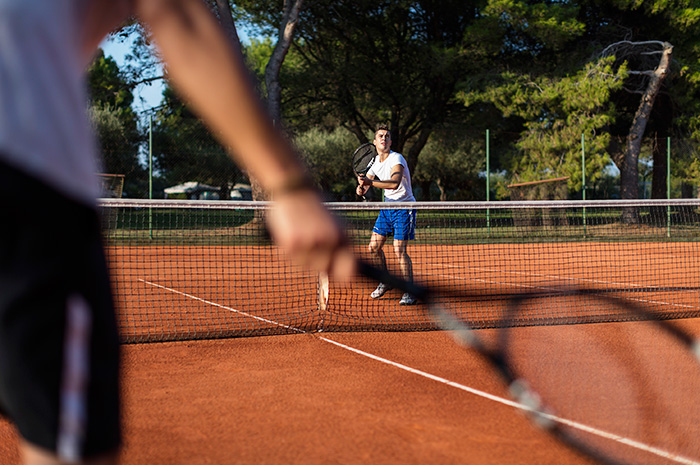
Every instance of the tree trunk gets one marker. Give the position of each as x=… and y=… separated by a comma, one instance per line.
x=659, y=182
x=272, y=70
x=629, y=173
x=223, y=10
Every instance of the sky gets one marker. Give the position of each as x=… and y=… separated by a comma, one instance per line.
x=146, y=96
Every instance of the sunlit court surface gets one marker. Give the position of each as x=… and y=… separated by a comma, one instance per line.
x=234, y=355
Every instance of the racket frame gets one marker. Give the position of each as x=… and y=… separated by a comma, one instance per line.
x=519, y=389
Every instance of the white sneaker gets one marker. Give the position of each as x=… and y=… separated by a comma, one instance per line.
x=380, y=291
x=407, y=299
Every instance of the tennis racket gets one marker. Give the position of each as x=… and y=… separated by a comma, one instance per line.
x=625, y=392
x=363, y=158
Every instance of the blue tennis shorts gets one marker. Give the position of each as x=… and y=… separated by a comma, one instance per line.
x=399, y=223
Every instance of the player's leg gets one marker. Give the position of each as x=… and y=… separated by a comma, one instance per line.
x=404, y=260
x=382, y=228
x=59, y=349
x=376, y=249
x=404, y=223
x=32, y=455
x=406, y=265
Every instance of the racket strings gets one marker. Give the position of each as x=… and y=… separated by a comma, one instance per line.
x=634, y=384
x=363, y=158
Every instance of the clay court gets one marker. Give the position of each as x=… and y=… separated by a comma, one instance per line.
x=348, y=397
x=302, y=399
x=232, y=354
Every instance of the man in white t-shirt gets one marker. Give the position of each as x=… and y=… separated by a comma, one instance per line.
x=59, y=346
x=390, y=172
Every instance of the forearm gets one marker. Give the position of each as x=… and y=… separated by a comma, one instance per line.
x=390, y=184
x=207, y=69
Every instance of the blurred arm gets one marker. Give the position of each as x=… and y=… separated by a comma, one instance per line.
x=209, y=72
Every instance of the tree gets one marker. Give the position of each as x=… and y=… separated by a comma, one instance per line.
x=366, y=62
x=327, y=156
x=185, y=150
x=537, y=59
x=452, y=165
x=556, y=112
x=286, y=27
x=660, y=95
x=115, y=122
x=628, y=162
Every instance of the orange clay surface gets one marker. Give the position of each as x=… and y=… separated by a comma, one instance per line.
x=300, y=399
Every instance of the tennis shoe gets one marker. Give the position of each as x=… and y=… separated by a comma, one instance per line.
x=380, y=291
x=407, y=299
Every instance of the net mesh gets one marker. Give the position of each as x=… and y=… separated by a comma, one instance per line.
x=188, y=270
x=207, y=269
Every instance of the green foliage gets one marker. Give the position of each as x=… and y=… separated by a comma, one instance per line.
x=526, y=70
x=451, y=164
x=365, y=62
x=556, y=112
x=548, y=24
x=184, y=150
x=107, y=85
x=119, y=138
x=328, y=156
x=257, y=55
x=115, y=122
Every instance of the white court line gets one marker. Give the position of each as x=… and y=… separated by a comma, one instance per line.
x=572, y=424
x=208, y=302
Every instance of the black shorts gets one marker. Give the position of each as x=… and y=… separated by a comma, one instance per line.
x=59, y=347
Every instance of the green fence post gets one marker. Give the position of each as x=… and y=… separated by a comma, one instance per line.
x=583, y=179
x=150, y=173
x=668, y=186
x=488, y=183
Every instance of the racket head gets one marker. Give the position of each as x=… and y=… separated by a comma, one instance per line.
x=363, y=158
x=623, y=392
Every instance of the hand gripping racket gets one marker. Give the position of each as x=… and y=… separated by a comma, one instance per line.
x=624, y=392
x=363, y=158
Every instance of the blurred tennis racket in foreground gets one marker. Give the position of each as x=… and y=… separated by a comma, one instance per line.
x=624, y=392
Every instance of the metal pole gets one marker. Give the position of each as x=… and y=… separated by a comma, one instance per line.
x=488, y=182
x=668, y=186
x=583, y=179
x=150, y=173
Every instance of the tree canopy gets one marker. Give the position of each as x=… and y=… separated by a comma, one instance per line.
x=542, y=76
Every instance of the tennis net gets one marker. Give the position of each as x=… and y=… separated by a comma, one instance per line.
x=207, y=269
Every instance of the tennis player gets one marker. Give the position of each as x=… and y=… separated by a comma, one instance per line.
x=59, y=347
x=390, y=172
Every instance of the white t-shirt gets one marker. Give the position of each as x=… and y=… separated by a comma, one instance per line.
x=383, y=170
x=44, y=130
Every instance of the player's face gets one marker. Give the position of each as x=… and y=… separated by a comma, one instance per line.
x=382, y=140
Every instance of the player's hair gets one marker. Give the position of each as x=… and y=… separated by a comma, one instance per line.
x=382, y=127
